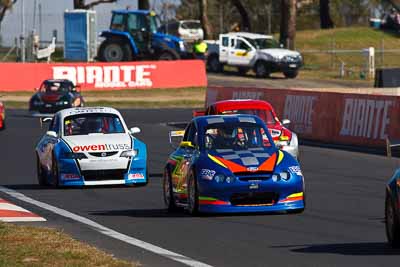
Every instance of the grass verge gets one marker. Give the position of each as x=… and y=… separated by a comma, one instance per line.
x=34, y=246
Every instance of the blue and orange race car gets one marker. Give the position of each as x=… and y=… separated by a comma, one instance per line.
x=230, y=164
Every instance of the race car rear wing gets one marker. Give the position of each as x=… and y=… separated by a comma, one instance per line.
x=175, y=137
x=43, y=120
x=197, y=113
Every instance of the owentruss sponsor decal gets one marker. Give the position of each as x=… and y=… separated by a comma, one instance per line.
x=103, y=147
x=122, y=76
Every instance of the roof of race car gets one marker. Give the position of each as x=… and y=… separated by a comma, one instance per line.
x=57, y=81
x=241, y=104
x=235, y=118
x=86, y=110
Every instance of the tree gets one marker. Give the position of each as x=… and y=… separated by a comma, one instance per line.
x=325, y=14
x=81, y=4
x=4, y=6
x=143, y=4
x=203, y=6
x=288, y=23
x=246, y=26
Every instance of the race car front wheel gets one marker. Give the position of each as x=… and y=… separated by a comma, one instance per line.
x=193, y=195
x=40, y=175
x=168, y=193
x=392, y=223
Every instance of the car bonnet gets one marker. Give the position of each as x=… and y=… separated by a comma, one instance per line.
x=250, y=160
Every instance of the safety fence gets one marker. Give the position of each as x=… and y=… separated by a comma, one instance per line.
x=106, y=76
x=340, y=118
x=351, y=63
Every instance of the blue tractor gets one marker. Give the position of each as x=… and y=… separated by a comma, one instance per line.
x=133, y=36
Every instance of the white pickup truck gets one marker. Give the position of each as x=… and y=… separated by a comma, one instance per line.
x=246, y=51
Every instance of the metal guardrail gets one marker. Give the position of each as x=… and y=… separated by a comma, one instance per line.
x=391, y=143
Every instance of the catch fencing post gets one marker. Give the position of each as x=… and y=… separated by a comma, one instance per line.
x=369, y=53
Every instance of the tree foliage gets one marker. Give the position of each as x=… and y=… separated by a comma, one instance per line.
x=83, y=4
x=4, y=6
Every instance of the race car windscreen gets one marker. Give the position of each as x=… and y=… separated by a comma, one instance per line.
x=93, y=123
x=56, y=87
x=265, y=115
x=240, y=136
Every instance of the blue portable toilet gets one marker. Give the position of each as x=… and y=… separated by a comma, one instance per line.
x=80, y=38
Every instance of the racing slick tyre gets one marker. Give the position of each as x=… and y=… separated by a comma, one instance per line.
x=168, y=54
x=291, y=74
x=213, y=64
x=167, y=192
x=392, y=223
x=39, y=171
x=193, y=195
x=54, y=173
x=242, y=70
x=261, y=69
x=112, y=50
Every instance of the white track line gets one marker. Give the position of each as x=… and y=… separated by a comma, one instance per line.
x=105, y=230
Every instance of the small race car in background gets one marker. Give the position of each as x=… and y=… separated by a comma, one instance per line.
x=55, y=95
x=2, y=116
x=282, y=136
x=231, y=164
x=392, y=210
x=90, y=146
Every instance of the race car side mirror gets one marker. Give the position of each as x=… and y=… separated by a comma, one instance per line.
x=197, y=113
x=52, y=134
x=134, y=130
x=35, y=89
x=285, y=122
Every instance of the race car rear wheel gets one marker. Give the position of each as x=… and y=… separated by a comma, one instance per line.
x=193, y=195
x=392, y=223
x=39, y=171
x=167, y=192
x=54, y=173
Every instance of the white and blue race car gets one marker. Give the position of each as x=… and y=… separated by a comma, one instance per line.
x=90, y=146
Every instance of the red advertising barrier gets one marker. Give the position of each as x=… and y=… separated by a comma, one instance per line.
x=105, y=76
x=340, y=118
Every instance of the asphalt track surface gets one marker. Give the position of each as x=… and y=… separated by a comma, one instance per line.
x=342, y=225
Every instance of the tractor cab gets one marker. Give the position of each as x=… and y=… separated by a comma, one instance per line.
x=140, y=25
x=133, y=35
